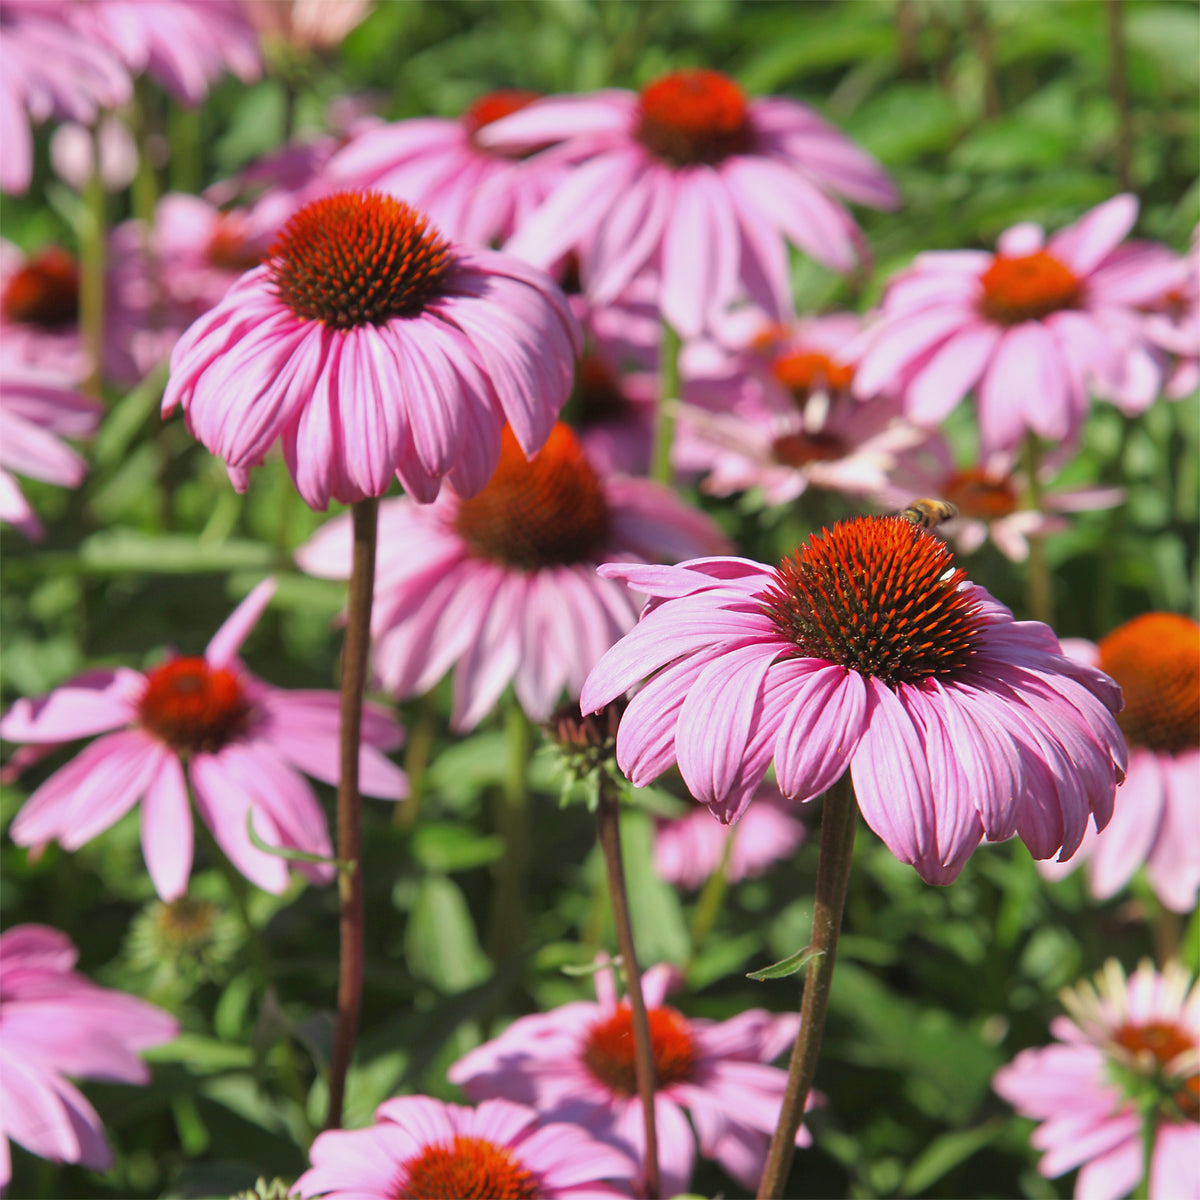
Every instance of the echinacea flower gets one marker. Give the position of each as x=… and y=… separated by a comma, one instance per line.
x=866, y=649
x=693, y=181
x=372, y=348
x=1156, y=821
x=181, y=45
x=1032, y=328
x=306, y=24
x=55, y=1023
x=1128, y=1054
x=39, y=312
x=239, y=743
x=473, y=193
x=688, y=849
x=48, y=69
x=36, y=413
x=993, y=504
x=504, y=584
x=426, y=1149
x=576, y=1064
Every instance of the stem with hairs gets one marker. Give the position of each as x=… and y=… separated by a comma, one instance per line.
x=349, y=833
x=668, y=397
x=608, y=820
x=833, y=874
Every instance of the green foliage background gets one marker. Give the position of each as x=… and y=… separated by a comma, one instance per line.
x=987, y=113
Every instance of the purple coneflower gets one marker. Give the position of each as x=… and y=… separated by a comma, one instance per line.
x=239, y=742
x=1128, y=1054
x=866, y=650
x=53, y=1023
x=371, y=347
x=692, y=180
x=425, y=1149
x=576, y=1064
x=1156, y=660
x=504, y=584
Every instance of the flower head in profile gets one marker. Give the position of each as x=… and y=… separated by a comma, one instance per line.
x=504, y=584
x=371, y=347
x=475, y=194
x=1128, y=1053
x=242, y=745
x=866, y=650
x=576, y=1064
x=1156, y=660
x=55, y=1023
x=688, y=849
x=49, y=69
x=424, y=1149
x=1033, y=328
x=692, y=180
x=36, y=413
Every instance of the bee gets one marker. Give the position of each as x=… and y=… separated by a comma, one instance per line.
x=929, y=513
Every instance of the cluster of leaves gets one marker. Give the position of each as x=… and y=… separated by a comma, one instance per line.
x=986, y=113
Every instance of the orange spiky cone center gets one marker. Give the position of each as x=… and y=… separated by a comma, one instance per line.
x=192, y=706
x=609, y=1055
x=693, y=116
x=1028, y=287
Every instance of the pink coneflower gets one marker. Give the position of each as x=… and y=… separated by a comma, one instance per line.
x=693, y=180
x=504, y=584
x=473, y=193
x=1031, y=328
x=865, y=649
x=1128, y=1054
x=992, y=504
x=48, y=69
x=613, y=415
x=239, y=743
x=688, y=849
x=576, y=1064
x=372, y=348
x=55, y=1023
x=182, y=45
x=1156, y=660
x=39, y=312
x=311, y=25
x=36, y=412
x=425, y=1149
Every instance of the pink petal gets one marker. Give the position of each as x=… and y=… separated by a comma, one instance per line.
x=227, y=641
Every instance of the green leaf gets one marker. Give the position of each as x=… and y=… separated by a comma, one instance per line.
x=943, y=1154
x=440, y=942
x=787, y=966
x=449, y=846
x=660, y=931
x=202, y=1055
x=119, y=551
x=287, y=852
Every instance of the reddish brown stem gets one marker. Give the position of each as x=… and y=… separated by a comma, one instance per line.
x=349, y=848
x=609, y=830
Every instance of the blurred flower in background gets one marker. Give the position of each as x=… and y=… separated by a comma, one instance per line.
x=240, y=743
x=1128, y=1055
x=313, y=25
x=503, y=585
x=55, y=1023
x=1156, y=819
x=576, y=1063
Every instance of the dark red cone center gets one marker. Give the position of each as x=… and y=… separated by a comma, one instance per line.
x=44, y=292
x=693, y=116
x=192, y=706
x=980, y=496
x=608, y=1051
x=468, y=1166
x=1027, y=288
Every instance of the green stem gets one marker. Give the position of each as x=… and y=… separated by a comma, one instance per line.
x=144, y=191
x=711, y=895
x=833, y=874
x=512, y=821
x=349, y=832
x=1149, y=1128
x=92, y=230
x=668, y=396
x=183, y=126
x=1118, y=86
x=421, y=733
x=1040, y=587
x=608, y=827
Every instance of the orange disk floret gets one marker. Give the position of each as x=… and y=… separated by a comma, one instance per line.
x=803, y=372
x=610, y=1057
x=468, y=1166
x=359, y=259
x=192, y=706
x=1027, y=288
x=693, y=116
x=548, y=512
x=1156, y=660
x=880, y=596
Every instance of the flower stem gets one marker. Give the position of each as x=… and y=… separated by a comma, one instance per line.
x=92, y=228
x=668, y=394
x=1040, y=588
x=349, y=840
x=833, y=874
x=507, y=923
x=608, y=820
x=1118, y=86
x=708, y=906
